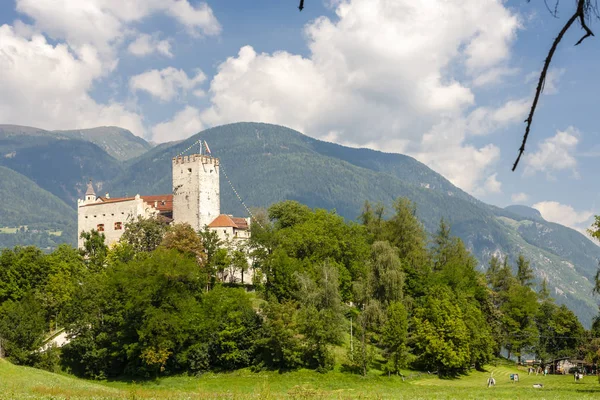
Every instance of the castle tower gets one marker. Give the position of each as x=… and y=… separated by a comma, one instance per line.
x=90, y=194
x=196, y=197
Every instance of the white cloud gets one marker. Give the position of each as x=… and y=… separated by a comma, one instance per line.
x=484, y=120
x=492, y=184
x=104, y=22
x=494, y=76
x=184, y=124
x=378, y=76
x=554, y=154
x=165, y=84
x=519, y=197
x=60, y=99
x=146, y=44
x=554, y=211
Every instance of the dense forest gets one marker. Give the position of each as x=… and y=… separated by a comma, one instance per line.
x=375, y=295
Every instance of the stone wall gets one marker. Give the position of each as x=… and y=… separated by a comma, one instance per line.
x=196, y=197
x=93, y=213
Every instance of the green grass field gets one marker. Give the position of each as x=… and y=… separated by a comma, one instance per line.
x=28, y=383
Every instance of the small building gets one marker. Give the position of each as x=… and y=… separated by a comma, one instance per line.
x=230, y=228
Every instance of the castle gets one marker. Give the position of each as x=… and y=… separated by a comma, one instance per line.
x=195, y=200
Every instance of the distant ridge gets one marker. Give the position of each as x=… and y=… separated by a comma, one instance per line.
x=118, y=142
x=525, y=211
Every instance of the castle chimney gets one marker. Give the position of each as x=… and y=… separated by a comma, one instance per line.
x=107, y=196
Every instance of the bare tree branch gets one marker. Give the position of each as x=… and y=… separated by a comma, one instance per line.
x=301, y=6
x=580, y=13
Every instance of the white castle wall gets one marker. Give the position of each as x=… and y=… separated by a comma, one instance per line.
x=91, y=213
x=196, y=197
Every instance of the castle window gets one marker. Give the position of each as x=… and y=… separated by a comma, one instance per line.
x=100, y=227
x=86, y=216
x=118, y=226
x=189, y=170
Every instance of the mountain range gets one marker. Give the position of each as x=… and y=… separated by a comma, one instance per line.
x=268, y=163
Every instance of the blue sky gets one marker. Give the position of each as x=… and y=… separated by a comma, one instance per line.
x=448, y=83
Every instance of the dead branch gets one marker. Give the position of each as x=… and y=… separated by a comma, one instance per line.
x=580, y=13
x=301, y=6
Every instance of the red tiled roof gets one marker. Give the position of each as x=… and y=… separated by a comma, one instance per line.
x=225, y=221
x=164, y=202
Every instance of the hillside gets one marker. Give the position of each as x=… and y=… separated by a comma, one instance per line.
x=46, y=220
x=17, y=382
x=117, y=142
x=63, y=167
x=268, y=163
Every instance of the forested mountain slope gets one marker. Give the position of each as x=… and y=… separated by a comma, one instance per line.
x=32, y=215
x=117, y=142
x=268, y=163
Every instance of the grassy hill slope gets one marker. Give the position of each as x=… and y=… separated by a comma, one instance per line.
x=29, y=383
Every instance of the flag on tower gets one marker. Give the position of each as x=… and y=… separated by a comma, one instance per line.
x=207, y=148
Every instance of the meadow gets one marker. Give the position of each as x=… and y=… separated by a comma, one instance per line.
x=29, y=383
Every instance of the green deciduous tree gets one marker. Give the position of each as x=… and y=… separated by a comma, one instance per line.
x=144, y=234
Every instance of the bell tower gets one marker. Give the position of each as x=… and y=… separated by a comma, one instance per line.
x=196, y=196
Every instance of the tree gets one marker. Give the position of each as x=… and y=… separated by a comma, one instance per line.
x=138, y=318
x=320, y=316
x=394, y=337
x=144, y=234
x=239, y=262
x=404, y=232
x=280, y=346
x=524, y=271
x=184, y=239
x=94, y=249
x=519, y=309
x=22, y=328
x=440, y=338
x=387, y=275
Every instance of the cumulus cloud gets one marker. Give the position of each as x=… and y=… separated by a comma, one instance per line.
x=184, y=124
x=565, y=215
x=519, y=197
x=60, y=100
x=73, y=45
x=554, y=154
x=484, y=120
x=494, y=76
x=146, y=44
x=103, y=22
x=165, y=84
x=378, y=76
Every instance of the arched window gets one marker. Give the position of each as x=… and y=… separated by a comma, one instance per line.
x=100, y=227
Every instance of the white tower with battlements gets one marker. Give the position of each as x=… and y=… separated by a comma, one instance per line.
x=196, y=197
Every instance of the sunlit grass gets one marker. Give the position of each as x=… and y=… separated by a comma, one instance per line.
x=28, y=383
